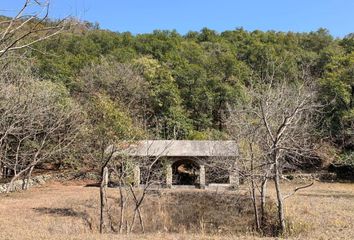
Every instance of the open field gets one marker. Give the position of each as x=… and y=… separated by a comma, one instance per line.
x=65, y=211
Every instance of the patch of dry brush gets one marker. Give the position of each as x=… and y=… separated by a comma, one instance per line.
x=325, y=211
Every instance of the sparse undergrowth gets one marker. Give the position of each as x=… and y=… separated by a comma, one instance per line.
x=175, y=211
x=57, y=211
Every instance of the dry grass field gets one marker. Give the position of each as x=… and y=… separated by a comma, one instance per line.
x=69, y=211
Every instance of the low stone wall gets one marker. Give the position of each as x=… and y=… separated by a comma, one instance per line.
x=34, y=181
x=42, y=179
x=320, y=176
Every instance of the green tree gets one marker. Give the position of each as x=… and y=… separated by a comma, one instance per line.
x=337, y=89
x=168, y=118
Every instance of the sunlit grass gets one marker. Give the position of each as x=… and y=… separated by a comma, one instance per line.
x=57, y=211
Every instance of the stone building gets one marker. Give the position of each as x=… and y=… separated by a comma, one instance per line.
x=187, y=162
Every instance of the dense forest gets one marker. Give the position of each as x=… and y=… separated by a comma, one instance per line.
x=165, y=85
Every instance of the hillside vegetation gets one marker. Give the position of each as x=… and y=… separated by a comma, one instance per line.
x=73, y=95
x=182, y=85
x=174, y=86
x=165, y=85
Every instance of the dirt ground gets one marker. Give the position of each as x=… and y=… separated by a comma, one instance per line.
x=324, y=211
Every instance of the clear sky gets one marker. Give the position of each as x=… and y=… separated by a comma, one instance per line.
x=142, y=16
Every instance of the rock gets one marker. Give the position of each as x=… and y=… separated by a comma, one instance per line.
x=40, y=180
x=2, y=188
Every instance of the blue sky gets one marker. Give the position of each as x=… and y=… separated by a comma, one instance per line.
x=142, y=16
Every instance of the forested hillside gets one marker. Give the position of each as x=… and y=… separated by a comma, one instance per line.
x=76, y=101
x=171, y=86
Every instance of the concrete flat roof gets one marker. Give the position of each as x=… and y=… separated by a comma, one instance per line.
x=178, y=148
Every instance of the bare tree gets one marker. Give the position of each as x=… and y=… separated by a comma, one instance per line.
x=276, y=126
x=134, y=177
x=25, y=112
x=29, y=26
x=99, y=136
x=152, y=173
x=114, y=117
x=38, y=121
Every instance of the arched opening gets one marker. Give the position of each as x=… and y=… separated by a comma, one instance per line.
x=185, y=172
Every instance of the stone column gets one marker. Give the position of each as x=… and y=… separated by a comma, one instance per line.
x=202, y=177
x=136, y=175
x=168, y=174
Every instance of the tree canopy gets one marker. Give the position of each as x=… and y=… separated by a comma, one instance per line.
x=174, y=86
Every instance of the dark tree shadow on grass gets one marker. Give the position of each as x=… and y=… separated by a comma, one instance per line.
x=65, y=212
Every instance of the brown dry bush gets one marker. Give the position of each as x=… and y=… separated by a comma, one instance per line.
x=179, y=211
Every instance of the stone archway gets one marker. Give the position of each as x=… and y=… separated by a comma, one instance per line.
x=185, y=172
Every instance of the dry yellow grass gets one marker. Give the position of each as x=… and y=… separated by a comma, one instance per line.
x=57, y=211
x=324, y=211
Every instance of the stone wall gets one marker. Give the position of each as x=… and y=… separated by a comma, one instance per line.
x=320, y=176
x=42, y=179
x=34, y=181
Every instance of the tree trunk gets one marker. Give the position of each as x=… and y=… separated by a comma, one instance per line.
x=263, y=200
x=103, y=188
x=133, y=222
x=11, y=184
x=141, y=220
x=1, y=171
x=19, y=174
x=27, y=179
x=254, y=201
x=122, y=206
x=253, y=190
x=280, y=201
